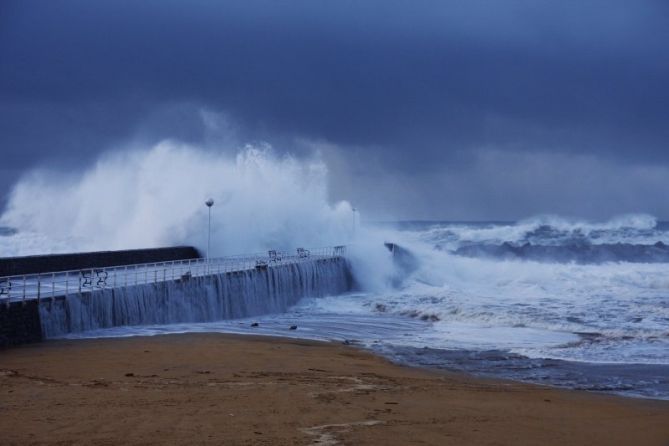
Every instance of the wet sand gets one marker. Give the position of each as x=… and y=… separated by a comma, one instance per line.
x=239, y=390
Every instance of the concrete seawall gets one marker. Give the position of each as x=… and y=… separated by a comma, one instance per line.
x=254, y=288
x=14, y=266
x=224, y=296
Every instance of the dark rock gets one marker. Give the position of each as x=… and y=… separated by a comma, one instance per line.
x=20, y=323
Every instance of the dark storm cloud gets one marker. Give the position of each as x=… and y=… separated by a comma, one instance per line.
x=421, y=87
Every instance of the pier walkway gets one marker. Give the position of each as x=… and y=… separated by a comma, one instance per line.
x=62, y=283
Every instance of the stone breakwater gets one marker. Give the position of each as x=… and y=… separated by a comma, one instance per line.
x=227, y=295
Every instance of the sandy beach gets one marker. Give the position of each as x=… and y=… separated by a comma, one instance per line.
x=235, y=390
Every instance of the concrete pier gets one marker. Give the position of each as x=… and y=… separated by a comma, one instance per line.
x=34, y=307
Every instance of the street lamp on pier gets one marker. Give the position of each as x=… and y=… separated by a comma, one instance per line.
x=355, y=222
x=209, y=203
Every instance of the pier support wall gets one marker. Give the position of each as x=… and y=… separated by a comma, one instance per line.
x=229, y=295
x=20, y=323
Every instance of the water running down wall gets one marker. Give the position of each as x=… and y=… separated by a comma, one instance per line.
x=198, y=299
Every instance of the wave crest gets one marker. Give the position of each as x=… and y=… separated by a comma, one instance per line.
x=155, y=197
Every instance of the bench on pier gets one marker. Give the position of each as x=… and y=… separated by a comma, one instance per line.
x=5, y=286
x=274, y=255
x=303, y=253
x=86, y=278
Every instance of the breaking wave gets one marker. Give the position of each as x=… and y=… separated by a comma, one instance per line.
x=155, y=197
x=631, y=238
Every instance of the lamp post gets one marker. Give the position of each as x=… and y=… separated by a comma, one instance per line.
x=355, y=223
x=209, y=203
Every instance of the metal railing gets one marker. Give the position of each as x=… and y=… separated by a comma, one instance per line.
x=63, y=283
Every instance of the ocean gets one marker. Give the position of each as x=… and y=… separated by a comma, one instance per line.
x=545, y=300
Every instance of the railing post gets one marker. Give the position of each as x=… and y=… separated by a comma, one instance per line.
x=39, y=287
x=53, y=285
x=24, y=287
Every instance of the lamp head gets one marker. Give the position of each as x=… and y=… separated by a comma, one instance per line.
x=209, y=202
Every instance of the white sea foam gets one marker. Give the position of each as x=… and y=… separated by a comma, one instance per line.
x=547, y=230
x=156, y=197
x=612, y=312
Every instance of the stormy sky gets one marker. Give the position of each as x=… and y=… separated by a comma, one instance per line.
x=458, y=110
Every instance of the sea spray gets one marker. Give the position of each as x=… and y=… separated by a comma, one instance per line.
x=155, y=197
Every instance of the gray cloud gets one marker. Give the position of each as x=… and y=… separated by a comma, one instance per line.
x=419, y=91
